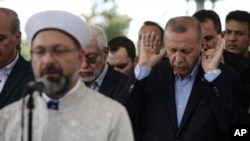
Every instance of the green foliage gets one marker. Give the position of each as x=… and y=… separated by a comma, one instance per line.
x=25, y=49
x=113, y=23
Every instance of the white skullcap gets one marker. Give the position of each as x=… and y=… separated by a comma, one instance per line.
x=60, y=20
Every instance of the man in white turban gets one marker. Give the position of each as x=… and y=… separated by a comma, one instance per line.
x=65, y=109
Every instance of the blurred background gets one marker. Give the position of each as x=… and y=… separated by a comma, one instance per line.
x=121, y=17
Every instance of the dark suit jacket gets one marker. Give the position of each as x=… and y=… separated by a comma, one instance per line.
x=116, y=86
x=241, y=65
x=210, y=109
x=119, y=87
x=13, y=89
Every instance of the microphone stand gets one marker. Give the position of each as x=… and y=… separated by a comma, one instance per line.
x=31, y=87
x=30, y=106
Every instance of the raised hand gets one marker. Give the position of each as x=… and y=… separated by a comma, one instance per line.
x=148, y=50
x=212, y=57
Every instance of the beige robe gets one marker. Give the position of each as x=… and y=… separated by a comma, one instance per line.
x=84, y=115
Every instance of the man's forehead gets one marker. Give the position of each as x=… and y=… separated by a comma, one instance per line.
x=121, y=52
x=92, y=47
x=149, y=28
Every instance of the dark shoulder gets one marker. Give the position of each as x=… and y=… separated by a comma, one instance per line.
x=229, y=72
x=236, y=62
x=164, y=63
x=23, y=65
x=162, y=68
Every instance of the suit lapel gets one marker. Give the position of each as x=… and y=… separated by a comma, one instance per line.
x=169, y=88
x=15, y=77
x=195, y=96
x=171, y=103
x=109, y=82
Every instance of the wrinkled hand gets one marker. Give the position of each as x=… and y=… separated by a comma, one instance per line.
x=148, y=50
x=212, y=57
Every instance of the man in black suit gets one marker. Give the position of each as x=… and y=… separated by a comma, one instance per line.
x=237, y=32
x=189, y=96
x=122, y=55
x=211, y=25
x=98, y=74
x=15, y=72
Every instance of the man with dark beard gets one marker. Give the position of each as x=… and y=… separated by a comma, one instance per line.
x=67, y=109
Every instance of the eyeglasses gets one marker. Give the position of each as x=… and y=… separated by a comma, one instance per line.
x=93, y=57
x=56, y=51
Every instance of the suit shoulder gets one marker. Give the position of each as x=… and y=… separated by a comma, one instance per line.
x=229, y=71
x=237, y=62
x=22, y=64
x=163, y=65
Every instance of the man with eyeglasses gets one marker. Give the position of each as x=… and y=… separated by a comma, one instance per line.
x=96, y=73
x=66, y=110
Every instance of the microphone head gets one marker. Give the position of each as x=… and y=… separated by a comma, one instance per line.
x=39, y=85
x=43, y=82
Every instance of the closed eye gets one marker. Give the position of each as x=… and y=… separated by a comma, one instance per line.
x=121, y=66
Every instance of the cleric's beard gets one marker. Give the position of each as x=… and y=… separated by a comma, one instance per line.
x=57, y=87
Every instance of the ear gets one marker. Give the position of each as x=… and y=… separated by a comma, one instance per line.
x=203, y=44
x=18, y=40
x=136, y=60
x=106, y=52
x=223, y=34
x=81, y=56
x=18, y=37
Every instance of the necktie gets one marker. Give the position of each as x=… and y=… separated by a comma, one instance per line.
x=95, y=86
x=53, y=105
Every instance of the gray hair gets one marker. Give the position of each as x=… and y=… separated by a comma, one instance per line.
x=183, y=23
x=99, y=35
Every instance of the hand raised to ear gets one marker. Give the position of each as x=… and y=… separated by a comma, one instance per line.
x=148, y=50
x=210, y=58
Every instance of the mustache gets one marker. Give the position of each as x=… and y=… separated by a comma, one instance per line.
x=51, y=69
x=179, y=65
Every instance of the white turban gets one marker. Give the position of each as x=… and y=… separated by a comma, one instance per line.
x=60, y=20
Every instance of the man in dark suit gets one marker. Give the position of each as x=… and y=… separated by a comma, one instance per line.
x=98, y=74
x=15, y=72
x=122, y=55
x=211, y=26
x=189, y=96
x=237, y=32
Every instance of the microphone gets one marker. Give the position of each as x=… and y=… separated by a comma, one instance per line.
x=39, y=85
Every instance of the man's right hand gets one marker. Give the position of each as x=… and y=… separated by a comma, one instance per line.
x=148, y=50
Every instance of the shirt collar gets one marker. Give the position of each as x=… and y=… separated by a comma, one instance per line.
x=101, y=76
x=6, y=70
